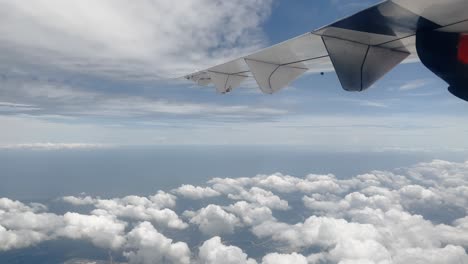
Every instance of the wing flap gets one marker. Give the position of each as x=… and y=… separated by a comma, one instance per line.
x=225, y=83
x=273, y=77
x=357, y=65
x=379, y=62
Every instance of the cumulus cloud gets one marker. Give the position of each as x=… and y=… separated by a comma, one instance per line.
x=412, y=215
x=87, y=200
x=146, y=245
x=245, y=189
x=251, y=214
x=102, y=231
x=24, y=225
x=213, y=251
x=261, y=197
x=315, y=231
x=15, y=239
x=153, y=208
x=276, y=258
x=213, y=220
x=196, y=192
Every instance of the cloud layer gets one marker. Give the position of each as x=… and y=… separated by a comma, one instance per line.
x=149, y=38
x=412, y=215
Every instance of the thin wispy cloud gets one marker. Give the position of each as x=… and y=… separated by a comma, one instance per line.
x=15, y=107
x=54, y=146
x=365, y=103
x=415, y=84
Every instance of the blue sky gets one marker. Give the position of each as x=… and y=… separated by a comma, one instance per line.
x=104, y=81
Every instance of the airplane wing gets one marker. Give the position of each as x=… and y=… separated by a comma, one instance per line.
x=361, y=48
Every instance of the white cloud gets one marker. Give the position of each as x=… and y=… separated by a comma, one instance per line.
x=85, y=101
x=415, y=84
x=28, y=220
x=315, y=231
x=54, y=146
x=88, y=200
x=381, y=225
x=138, y=39
x=277, y=182
x=236, y=189
x=15, y=239
x=411, y=215
x=261, y=197
x=196, y=192
x=146, y=245
x=448, y=254
x=153, y=208
x=276, y=258
x=366, y=103
x=135, y=106
x=213, y=251
x=213, y=220
x=15, y=107
x=103, y=231
x=251, y=214
x=23, y=226
x=163, y=200
x=17, y=206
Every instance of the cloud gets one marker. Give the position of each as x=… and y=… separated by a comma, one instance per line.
x=19, y=239
x=141, y=40
x=276, y=258
x=235, y=189
x=14, y=107
x=116, y=60
x=315, y=231
x=153, y=208
x=250, y=214
x=24, y=226
x=88, y=200
x=448, y=254
x=213, y=220
x=102, y=231
x=138, y=106
x=54, y=146
x=146, y=245
x=196, y=192
x=415, y=84
x=366, y=103
x=213, y=251
x=85, y=100
x=261, y=197
x=409, y=215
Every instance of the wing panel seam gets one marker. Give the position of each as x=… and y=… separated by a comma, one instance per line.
x=362, y=67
